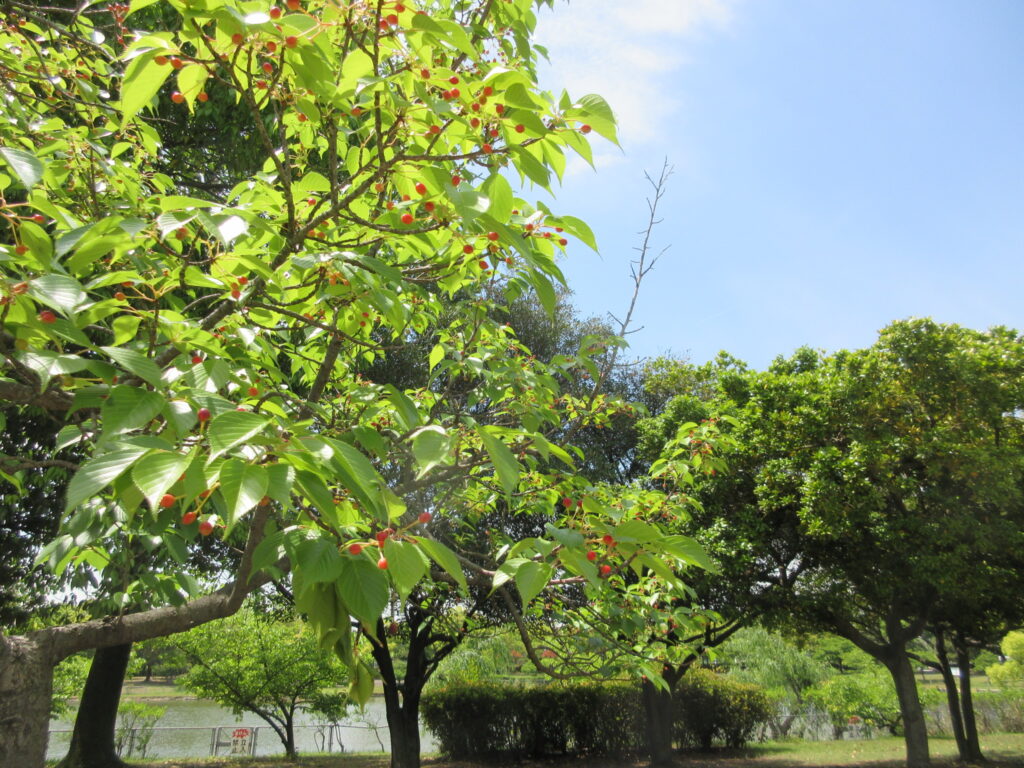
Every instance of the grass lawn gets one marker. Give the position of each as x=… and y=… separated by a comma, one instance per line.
x=1005, y=751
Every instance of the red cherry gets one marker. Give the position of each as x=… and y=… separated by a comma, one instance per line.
x=392, y=19
x=424, y=73
x=382, y=563
x=493, y=236
x=167, y=500
x=487, y=149
x=271, y=48
x=293, y=5
x=488, y=91
x=407, y=218
x=188, y=518
x=494, y=133
x=253, y=392
x=203, y=414
x=243, y=280
x=177, y=97
x=499, y=108
x=605, y=569
x=237, y=38
x=20, y=250
x=355, y=549
x=608, y=539
x=585, y=128
x=176, y=62
x=291, y=41
x=456, y=180
x=434, y=129
x=275, y=12
x=467, y=249
x=563, y=242
x=475, y=122
x=38, y=218
x=425, y=517
x=160, y=60
x=454, y=93
x=591, y=555
x=421, y=188
x=197, y=359
x=236, y=293
x=453, y=80
x=46, y=316
x=567, y=502
x=520, y=128
x=203, y=96
x=181, y=233
x=206, y=527
x=268, y=67
x=120, y=296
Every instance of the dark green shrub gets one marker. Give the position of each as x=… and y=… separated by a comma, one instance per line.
x=712, y=708
x=489, y=720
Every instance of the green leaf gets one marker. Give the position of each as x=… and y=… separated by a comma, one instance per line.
x=687, y=550
x=47, y=364
x=364, y=589
x=97, y=473
x=156, y=472
x=430, y=447
x=636, y=531
x=25, y=165
x=318, y=560
x=142, y=80
x=242, y=485
x=436, y=356
x=499, y=191
x=505, y=464
x=58, y=291
x=361, y=688
x=135, y=363
x=129, y=408
x=444, y=557
x=405, y=564
x=232, y=428
x=579, y=229
x=408, y=415
x=360, y=478
x=531, y=578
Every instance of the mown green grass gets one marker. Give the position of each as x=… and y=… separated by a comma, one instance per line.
x=1006, y=750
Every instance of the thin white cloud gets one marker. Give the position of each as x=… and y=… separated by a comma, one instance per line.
x=626, y=52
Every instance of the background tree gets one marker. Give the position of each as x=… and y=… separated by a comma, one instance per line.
x=872, y=482
x=272, y=668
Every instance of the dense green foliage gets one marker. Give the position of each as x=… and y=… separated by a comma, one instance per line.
x=478, y=720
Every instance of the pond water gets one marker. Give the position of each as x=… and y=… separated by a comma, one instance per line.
x=190, y=727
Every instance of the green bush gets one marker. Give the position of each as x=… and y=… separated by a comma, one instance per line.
x=998, y=711
x=712, y=708
x=491, y=720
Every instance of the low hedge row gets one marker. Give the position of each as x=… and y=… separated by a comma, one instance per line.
x=496, y=720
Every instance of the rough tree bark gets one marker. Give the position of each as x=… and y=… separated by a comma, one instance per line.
x=92, y=741
x=27, y=661
x=952, y=696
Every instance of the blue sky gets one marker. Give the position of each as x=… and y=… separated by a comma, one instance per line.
x=839, y=164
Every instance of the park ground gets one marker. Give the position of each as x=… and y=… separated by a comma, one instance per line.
x=1004, y=751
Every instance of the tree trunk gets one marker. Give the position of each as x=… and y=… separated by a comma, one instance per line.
x=915, y=734
x=27, y=661
x=92, y=741
x=963, y=661
x=952, y=695
x=401, y=702
x=289, y=738
x=26, y=686
x=658, y=723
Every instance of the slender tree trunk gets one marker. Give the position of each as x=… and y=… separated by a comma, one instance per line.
x=952, y=695
x=963, y=661
x=401, y=702
x=92, y=741
x=658, y=723
x=26, y=686
x=289, y=737
x=915, y=734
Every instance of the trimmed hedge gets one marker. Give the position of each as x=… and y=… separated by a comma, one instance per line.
x=495, y=720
